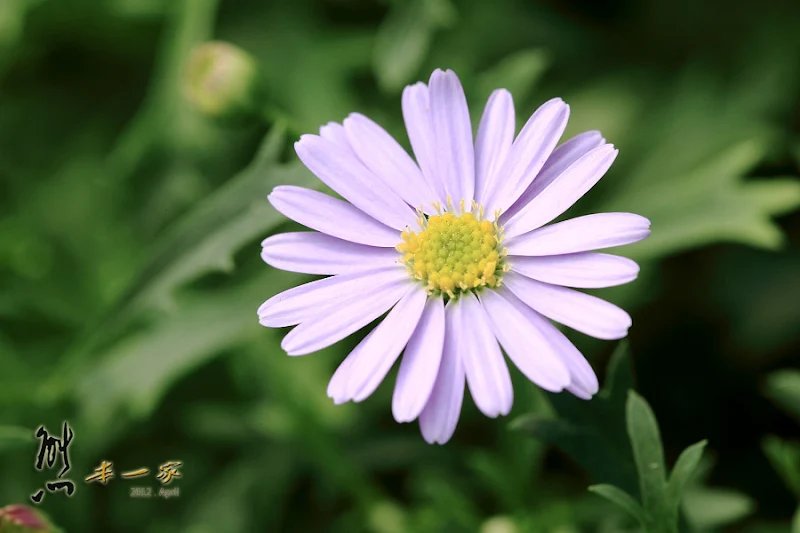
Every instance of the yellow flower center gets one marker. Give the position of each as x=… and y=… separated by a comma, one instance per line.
x=455, y=253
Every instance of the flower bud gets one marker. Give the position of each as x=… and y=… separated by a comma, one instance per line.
x=499, y=524
x=222, y=80
x=387, y=517
x=22, y=519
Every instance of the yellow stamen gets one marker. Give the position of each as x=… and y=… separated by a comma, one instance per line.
x=455, y=252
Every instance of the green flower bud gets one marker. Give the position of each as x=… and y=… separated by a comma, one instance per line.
x=499, y=524
x=222, y=81
x=22, y=519
x=387, y=517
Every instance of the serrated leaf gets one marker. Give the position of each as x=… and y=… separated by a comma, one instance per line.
x=682, y=472
x=206, y=239
x=690, y=178
x=785, y=459
x=404, y=39
x=648, y=454
x=783, y=388
x=738, y=213
x=203, y=241
x=593, y=433
x=622, y=499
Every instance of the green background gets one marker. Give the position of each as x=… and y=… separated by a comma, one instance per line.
x=130, y=271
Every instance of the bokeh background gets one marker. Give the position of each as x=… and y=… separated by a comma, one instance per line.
x=130, y=274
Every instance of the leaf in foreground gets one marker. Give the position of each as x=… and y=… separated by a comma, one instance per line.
x=593, y=433
x=660, y=495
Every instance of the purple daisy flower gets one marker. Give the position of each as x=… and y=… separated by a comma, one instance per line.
x=455, y=248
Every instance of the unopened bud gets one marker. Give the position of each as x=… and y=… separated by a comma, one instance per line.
x=22, y=519
x=222, y=80
x=387, y=517
x=499, y=524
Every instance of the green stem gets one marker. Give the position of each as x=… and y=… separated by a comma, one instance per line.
x=192, y=23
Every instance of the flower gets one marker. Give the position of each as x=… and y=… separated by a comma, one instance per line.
x=455, y=248
x=21, y=519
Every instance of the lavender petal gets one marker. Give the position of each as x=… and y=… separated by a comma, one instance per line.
x=332, y=216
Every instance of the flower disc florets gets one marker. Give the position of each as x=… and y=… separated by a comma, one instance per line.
x=454, y=253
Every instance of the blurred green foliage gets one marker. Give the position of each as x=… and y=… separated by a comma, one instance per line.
x=129, y=231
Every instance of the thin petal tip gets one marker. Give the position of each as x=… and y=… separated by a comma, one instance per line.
x=593, y=134
x=353, y=117
x=287, y=344
x=402, y=417
x=582, y=394
x=435, y=439
x=265, y=321
x=334, y=392
x=302, y=142
x=276, y=191
x=306, y=139
x=435, y=75
x=419, y=86
x=497, y=93
x=446, y=75
x=326, y=126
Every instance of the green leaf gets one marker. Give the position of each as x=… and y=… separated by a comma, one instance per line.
x=593, y=433
x=619, y=377
x=204, y=241
x=12, y=23
x=690, y=178
x=707, y=509
x=321, y=85
x=783, y=388
x=134, y=375
x=404, y=39
x=648, y=455
x=623, y=500
x=15, y=436
x=611, y=433
x=785, y=459
x=682, y=472
x=576, y=441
